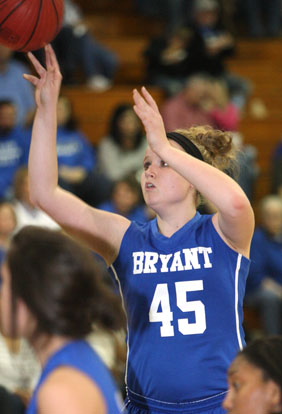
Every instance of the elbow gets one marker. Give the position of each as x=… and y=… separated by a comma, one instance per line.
x=34, y=200
x=35, y=197
x=240, y=204
x=38, y=198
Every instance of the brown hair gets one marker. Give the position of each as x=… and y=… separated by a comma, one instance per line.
x=216, y=148
x=61, y=284
x=215, y=145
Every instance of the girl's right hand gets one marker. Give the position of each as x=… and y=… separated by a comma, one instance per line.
x=147, y=110
x=48, y=83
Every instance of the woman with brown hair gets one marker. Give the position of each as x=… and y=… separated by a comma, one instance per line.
x=182, y=275
x=52, y=295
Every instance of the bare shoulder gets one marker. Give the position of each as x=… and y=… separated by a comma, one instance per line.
x=69, y=390
x=239, y=235
x=106, y=231
x=99, y=230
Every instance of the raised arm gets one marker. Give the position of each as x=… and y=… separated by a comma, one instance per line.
x=234, y=219
x=101, y=231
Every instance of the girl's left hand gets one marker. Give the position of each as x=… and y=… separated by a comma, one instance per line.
x=48, y=82
x=147, y=110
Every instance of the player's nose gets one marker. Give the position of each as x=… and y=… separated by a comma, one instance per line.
x=228, y=402
x=150, y=171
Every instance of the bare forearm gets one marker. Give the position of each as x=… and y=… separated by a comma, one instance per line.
x=43, y=168
x=213, y=184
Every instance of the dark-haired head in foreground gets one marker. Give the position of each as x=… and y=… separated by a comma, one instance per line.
x=255, y=378
x=52, y=294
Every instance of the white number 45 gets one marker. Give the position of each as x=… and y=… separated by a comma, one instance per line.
x=165, y=316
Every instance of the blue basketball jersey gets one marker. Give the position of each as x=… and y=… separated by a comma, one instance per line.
x=79, y=355
x=184, y=298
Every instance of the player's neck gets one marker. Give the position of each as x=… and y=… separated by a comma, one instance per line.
x=170, y=224
x=46, y=346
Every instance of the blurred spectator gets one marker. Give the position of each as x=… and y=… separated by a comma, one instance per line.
x=126, y=200
x=263, y=18
x=264, y=284
x=248, y=166
x=224, y=113
x=188, y=107
x=122, y=152
x=14, y=88
x=26, y=212
x=276, y=169
x=8, y=224
x=76, y=49
x=77, y=159
x=168, y=60
x=110, y=345
x=212, y=44
x=14, y=146
x=10, y=403
x=19, y=368
x=174, y=12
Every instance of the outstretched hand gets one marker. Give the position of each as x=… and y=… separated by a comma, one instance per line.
x=48, y=83
x=147, y=110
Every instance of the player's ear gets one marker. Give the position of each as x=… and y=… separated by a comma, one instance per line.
x=274, y=396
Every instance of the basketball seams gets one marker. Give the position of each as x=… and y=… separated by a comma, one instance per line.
x=29, y=24
x=34, y=28
x=12, y=11
x=56, y=11
x=3, y=2
x=57, y=17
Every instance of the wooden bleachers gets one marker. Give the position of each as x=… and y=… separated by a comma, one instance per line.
x=93, y=109
x=130, y=52
x=107, y=6
x=123, y=25
x=118, y=26
x=260, y=62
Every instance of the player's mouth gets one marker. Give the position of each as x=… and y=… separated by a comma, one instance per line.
x=149, y=186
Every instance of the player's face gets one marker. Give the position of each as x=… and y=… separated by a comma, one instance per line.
x=161, y=185
x=248, y=391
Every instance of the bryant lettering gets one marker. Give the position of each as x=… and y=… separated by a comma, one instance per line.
x=186, y=259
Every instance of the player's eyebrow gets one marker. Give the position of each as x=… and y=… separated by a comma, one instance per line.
x=231, y=371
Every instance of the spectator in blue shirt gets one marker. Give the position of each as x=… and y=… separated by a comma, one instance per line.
x=264, y=285
x=14, y=88
x=126, y=200
x=77, y=159
x=14, y=146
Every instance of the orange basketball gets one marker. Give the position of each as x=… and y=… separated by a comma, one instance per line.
x=27, y=25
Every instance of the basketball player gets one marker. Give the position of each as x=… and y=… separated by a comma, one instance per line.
x=51, y=294
x=255, y=378
x=182, y=275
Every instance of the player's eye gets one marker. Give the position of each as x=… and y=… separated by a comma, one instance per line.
x=146, y=165
x=164, y=164
x=235, y=385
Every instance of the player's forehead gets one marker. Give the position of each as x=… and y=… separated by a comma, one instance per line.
x=242, y=368
x=150, y=153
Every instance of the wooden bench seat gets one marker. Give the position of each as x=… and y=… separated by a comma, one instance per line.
x=93, y=109
x=258, y=61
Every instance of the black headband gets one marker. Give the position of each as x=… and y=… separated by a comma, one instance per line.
x=186, y=144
